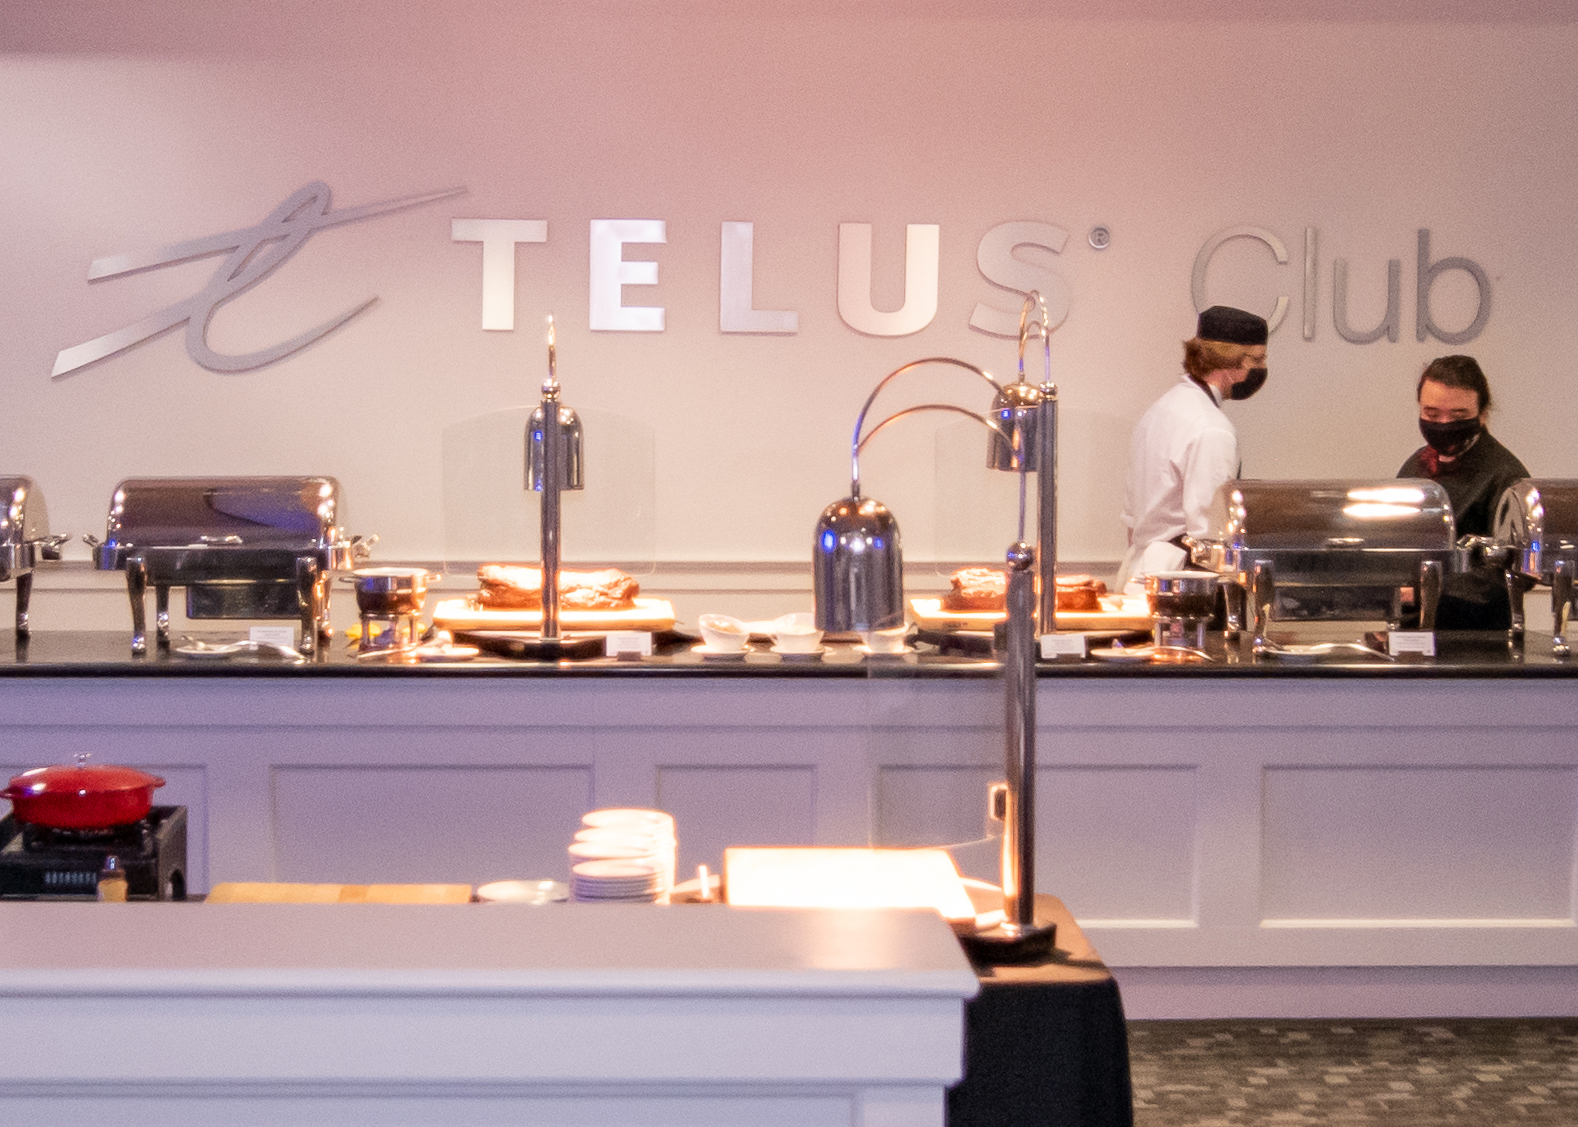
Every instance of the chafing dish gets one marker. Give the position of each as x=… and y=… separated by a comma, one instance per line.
x=1536, y=535
x=24, y=540
x=1329, y=550
x=243, y=547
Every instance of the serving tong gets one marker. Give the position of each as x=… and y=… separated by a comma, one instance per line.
x=1322, y=649
x=196, y=647
x=1164, y=655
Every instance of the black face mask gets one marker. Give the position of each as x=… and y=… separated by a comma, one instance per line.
x=1244, y=388
x=1451, y=439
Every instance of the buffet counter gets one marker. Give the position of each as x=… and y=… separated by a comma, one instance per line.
x=106, y=653
x=243, y=1014
x=1250, y=836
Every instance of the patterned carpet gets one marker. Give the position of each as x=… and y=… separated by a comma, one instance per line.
x=1396, y=1073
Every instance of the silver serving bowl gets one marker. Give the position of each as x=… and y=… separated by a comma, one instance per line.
x=391, y=590
x=1182, y=594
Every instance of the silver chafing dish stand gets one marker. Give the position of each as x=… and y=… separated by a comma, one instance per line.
x=243, y=547
x=1536, y=539
x=1316, y=550
x=24, y=541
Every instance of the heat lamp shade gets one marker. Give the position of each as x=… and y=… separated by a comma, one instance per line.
x=857, y=568
x=1014, y=411
x=572, y=470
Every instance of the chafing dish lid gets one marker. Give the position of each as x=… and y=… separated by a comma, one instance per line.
x=256, y=512
x=24, y=518
x=1539, y=514
x=1390, y=514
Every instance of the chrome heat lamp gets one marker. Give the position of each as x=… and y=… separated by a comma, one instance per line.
x=554, y=463
x=858, y=575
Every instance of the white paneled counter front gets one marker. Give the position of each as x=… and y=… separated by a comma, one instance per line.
x=226, y=1014
x=1233, y=842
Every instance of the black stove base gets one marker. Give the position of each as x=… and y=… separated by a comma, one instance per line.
x=37, y=863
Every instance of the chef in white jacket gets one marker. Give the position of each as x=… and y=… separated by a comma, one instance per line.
x=1185, y=447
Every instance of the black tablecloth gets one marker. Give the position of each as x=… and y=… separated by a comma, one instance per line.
x=1045, y=1044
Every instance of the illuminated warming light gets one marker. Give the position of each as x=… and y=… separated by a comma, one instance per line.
x=831, y=877
x=1377, y=510
x=1390, y=495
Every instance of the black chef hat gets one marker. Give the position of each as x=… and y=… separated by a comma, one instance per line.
x=1231, y=326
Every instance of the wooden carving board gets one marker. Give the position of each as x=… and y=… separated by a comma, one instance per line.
x=647, y=614
x=279, y=892
x=1119, y=612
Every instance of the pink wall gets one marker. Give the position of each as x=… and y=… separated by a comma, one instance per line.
x=132, y=126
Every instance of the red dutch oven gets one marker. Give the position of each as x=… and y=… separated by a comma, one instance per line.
x=82, y=797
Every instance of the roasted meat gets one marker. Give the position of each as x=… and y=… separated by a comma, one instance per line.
x=986, y=588
x=516, y=587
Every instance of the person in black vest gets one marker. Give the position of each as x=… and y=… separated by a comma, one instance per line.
x=1474, y=469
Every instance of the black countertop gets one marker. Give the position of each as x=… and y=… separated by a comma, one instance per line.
x=108, y=654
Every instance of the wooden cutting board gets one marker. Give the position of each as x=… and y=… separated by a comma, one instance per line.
x=274, y=892
x=1119, y=612
x=647, y=614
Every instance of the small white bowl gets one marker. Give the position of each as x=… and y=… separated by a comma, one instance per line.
x=885, y=641
x=634, y=836
x=523, y=892
x=723, y=633
x=629, y=816
x=797, y=633
x=608, y=851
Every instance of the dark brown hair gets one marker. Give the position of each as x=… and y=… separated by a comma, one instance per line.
x=1461, y=372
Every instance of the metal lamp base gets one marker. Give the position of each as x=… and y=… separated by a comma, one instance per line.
x=530, y=647
x=560, y=649
x=1005, y=946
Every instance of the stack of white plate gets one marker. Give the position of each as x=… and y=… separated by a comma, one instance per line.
x=617, y=880
x=623, y=837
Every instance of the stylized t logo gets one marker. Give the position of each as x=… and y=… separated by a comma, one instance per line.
x=254, y=254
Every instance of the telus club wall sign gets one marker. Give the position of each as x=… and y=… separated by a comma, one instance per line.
x=610, y=272
x=1427, y=272
x=253, y=253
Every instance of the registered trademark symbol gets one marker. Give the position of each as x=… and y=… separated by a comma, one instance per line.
x=1100, y=238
